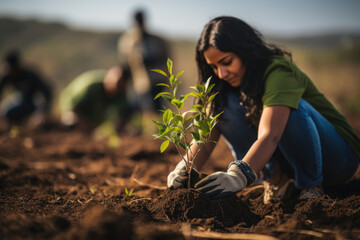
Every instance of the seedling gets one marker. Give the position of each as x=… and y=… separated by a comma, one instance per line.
x=14, y=132
x=178, y=125
x=92, y=190
x=129, y=194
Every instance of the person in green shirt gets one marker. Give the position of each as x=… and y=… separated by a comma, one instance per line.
x=279, y=126
x=95, y=97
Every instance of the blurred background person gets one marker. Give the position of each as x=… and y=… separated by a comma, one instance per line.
x=143, y=51
x=30, y=93
x=96, y=101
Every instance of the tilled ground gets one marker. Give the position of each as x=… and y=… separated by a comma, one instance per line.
x=58, y=184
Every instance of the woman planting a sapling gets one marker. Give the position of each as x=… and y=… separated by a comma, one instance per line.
x=276, y=122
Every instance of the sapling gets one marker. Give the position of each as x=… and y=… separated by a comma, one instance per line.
x=177, y=126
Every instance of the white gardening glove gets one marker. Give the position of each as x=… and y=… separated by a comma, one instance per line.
x=221, y=184
x=179, y=177
x=175, y=173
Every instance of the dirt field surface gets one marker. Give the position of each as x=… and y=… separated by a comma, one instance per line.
x=60, y=184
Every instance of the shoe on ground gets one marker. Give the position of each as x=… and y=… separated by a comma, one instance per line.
x=273, y=193
x=316, y=191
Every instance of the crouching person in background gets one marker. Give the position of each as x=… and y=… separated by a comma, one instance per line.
x=96, y=101
x=28, y=93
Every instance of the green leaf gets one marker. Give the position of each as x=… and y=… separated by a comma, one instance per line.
x=195, y=136
x=159, y=71
x=178, y=118
x=213, y=124
x=210, y=88
x=195, y=94
x=190, y=126
x=193, y=87
x=178, y=75
x=164, y=133
x=164, y=146
x=158, y=136
x=175, y=89
x=129, y=194
x=199, y=117
x=217, y=115
x=214, y=119
x=199, y=87
x=207, y=83
x=203, y=133
x=182, y=145
x=197, y=123
x=177, y=83
x=212, y=97
x=169, y=66
x=167, y=116
x=161, y=94
x=197, y=106
x=178, y=129
x=177, y=103
x=163, y=84
x=172, y=80
x=160, y=126
x=168, y=98
x=203, y=126
x=188, y=118
x=184, y=97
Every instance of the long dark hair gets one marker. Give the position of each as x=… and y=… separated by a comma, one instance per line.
x=230, y=34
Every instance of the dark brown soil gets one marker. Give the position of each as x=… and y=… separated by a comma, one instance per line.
x=59, y=184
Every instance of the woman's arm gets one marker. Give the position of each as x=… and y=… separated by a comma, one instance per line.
x=206, y=150
x=271, y=127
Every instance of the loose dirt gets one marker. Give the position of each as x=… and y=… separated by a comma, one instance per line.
x=60, y=184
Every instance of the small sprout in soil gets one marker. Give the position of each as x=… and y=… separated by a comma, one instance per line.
x=129, y=194
x=178, y=125
x=14, y=132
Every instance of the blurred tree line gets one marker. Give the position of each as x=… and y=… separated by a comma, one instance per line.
x=61, y=53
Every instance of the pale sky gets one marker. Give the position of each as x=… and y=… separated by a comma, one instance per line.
x=186, y=18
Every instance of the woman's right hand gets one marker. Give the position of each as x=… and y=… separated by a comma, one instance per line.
x=175, y=173
x=179, y=177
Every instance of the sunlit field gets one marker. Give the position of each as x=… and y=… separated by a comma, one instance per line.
x=61, y=183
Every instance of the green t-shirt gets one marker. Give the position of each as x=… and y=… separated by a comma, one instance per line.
x=286, y=85
x=86, y=95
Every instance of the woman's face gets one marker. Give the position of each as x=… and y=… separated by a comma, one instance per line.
x=226, y=65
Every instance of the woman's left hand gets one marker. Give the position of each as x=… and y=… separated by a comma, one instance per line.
x=221, y=184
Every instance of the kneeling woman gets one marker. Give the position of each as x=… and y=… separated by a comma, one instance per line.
x=275, y=120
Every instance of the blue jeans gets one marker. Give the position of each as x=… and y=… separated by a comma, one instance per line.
x=19, y=109
x=310, y=150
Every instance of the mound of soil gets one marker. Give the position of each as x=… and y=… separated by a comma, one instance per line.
x=176, y=205
x=60, y=184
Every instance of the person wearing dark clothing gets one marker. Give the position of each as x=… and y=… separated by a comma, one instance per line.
x=27, y=85
x=142, y=51
x=281, y=129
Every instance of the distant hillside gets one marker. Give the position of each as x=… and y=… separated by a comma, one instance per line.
x=61, y=53
x=323, y=41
